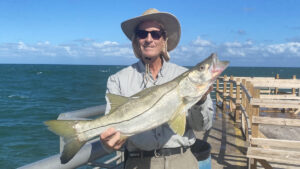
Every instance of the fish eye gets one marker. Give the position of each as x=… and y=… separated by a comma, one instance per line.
x=201, y=67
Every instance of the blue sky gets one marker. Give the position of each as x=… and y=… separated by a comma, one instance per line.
x=245, y=32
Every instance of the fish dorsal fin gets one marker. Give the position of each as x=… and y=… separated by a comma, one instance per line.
x=145, y=91
x=178, y=122
x=116, y=101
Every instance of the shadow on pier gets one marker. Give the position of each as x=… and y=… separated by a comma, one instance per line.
x=227, y=142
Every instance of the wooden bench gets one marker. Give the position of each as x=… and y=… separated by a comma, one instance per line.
x=265, y=150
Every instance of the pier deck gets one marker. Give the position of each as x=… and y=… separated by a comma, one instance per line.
x=259, y=126
x=228, y=145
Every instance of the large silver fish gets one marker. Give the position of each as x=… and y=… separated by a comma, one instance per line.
x=148, y=109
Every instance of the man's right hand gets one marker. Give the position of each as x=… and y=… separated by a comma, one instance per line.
x=112, y=139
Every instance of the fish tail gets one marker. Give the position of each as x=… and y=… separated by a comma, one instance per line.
x=65, y=129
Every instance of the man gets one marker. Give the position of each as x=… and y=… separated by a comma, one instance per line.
x=153, y=35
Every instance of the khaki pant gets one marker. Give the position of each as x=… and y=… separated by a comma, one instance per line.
x=185, y=160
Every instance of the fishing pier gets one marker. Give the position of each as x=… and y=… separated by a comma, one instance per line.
x=256, y=125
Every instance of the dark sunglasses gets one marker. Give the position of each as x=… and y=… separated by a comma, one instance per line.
x=142, y=34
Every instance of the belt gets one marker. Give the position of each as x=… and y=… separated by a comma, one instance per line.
x=157, y=153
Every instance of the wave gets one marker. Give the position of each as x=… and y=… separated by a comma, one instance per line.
x=18, y=96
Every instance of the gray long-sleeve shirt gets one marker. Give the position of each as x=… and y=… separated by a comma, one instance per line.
x=130, y=81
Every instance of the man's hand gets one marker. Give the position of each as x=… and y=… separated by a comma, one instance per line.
x=111, y=139
x=211, y=88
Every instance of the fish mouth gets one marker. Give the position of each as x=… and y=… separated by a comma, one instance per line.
x=217, y=66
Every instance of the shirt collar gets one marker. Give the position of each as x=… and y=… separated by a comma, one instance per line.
x=162, y=71
x=141, y=66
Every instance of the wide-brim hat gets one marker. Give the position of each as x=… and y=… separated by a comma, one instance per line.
x=169, y=22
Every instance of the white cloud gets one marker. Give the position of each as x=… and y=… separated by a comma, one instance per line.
x=83, y=51
x=245, y=53
x=104, y=44
x=232, y=44
x=24, y=47
x=289, y=49
x=89, y=51
x=201, y=42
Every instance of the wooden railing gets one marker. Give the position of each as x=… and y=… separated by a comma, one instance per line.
x=246, y=99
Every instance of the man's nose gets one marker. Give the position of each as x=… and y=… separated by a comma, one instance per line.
x=149, y=37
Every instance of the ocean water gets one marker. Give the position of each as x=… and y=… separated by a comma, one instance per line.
x=32, y=94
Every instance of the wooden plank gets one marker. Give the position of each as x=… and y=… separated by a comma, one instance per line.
x=217, y=90
x=224, y=93
x=237, y=101
x=284, y=97
x=255, y=128
x=243, y=84
x=265, y=164
x=276, y=121
x=265, y=91
x=271, y=82
x=231, y=107
x=269, y=103
x=282, y=156
x=293, y=89
x=249, y=106
x=287, y=84
x=247, y=126
x=274, y=105
x=275, y=143
x=254, y=78
x=244, y=89
x=252, y=163
x=276, y=88
x=278, y=101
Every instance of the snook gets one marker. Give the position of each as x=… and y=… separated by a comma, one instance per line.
x=148, y=109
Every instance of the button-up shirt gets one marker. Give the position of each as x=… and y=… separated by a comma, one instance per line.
x=130, y=81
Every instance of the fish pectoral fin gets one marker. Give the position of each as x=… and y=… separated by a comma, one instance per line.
x=177, y=124
x=116, y=100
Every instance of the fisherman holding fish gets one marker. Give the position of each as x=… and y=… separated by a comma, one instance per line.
x=153, y=106
x=153, y=35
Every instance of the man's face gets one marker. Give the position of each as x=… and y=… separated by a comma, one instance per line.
x=151, y=47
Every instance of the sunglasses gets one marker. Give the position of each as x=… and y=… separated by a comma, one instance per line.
x=142, y=34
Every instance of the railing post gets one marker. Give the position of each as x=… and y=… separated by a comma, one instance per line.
x=276, y=88
x=248, y=108
x=244, y=105
x=224, y=93
x=231, y=94
x=293, y=89
x=237, y=101
x=217, y=90
x=254, y=127
x=250, y=90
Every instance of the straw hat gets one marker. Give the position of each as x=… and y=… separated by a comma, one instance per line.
x=169, y=22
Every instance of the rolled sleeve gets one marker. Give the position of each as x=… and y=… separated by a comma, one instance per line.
x=200, y=117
